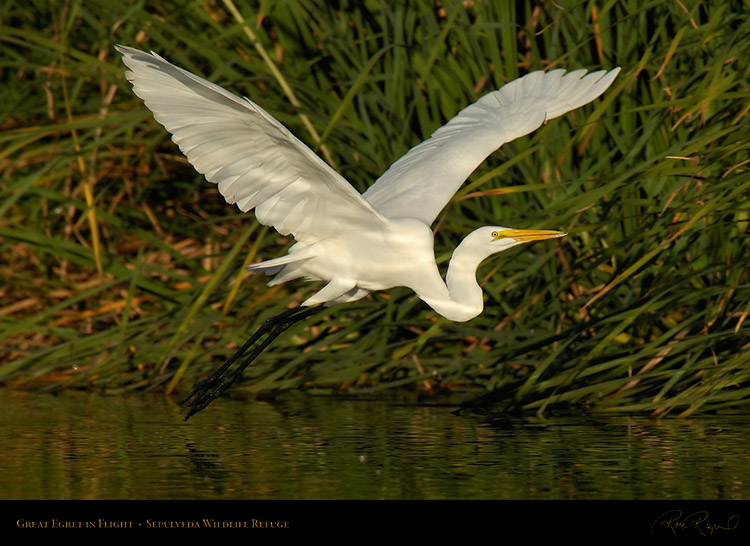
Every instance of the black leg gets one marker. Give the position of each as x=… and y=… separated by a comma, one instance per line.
x=209, y=389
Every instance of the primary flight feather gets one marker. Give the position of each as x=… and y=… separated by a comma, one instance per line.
x=356, y=243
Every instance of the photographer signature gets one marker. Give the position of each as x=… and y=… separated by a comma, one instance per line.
x=696, y=521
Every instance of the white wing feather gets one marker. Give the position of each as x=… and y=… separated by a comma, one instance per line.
x=256, y=162
x=422, y=182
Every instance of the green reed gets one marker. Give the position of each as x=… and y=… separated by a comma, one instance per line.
x=121, y=268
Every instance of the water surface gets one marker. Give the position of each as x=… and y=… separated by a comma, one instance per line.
x=86, y=446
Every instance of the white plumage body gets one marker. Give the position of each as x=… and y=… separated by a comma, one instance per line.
x=357, y=243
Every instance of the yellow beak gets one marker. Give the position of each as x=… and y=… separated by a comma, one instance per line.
x=527, y=235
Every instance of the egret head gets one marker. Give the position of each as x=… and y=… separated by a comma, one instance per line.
x=495, y=239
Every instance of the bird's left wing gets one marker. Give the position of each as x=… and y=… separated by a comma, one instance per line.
x=255, y=160
x=422, y=182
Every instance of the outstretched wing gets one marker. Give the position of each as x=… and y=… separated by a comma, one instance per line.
x=255, y=160
x=422, y=182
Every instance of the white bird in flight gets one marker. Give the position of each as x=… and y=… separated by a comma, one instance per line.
x=356, y=243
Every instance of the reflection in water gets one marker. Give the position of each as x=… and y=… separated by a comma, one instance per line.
x=83, y=446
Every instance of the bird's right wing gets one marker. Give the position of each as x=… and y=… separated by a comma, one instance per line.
x=255, y=161
x=422, y=182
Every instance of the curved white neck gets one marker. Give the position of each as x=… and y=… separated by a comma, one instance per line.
x=459, y=298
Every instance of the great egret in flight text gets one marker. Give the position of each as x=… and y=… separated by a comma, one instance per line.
x=355, y=243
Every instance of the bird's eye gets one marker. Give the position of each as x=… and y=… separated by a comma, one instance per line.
x=495, y=234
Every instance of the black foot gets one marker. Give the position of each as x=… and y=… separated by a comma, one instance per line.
x=209, y=389
x=206, y=391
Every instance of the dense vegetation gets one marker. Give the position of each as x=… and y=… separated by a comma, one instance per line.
x=121, y=268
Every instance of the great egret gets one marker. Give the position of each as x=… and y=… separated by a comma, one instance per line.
x=356, y=243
